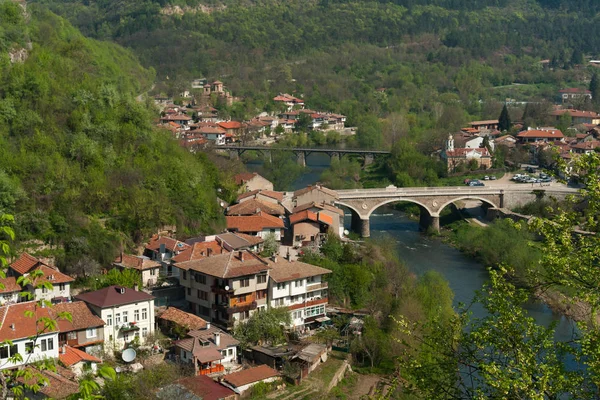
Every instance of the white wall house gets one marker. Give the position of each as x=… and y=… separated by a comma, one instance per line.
x=128, y=313
x=299, y=287
x=30, y=342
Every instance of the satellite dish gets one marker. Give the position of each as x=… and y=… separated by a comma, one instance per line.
x=128, y=355
x=346, y=232
x=227, y=287
x=118, y=369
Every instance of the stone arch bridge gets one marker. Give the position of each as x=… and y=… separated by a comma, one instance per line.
x=432, y=200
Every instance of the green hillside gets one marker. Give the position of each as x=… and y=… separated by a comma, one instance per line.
x=81, y=167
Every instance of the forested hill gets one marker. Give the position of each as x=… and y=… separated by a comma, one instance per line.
x=81, y=167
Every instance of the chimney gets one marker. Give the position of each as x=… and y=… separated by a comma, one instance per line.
x=240, y=255
x=63, y=349
x=274, y=258
x=136, y=287
x=257, y=210
x=207, y=325
x=217, y=339
x=209, y=250
x=12, y=326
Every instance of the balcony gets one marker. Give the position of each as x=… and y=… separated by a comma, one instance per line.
x=242, y=307
x=212, y=370
x=217, y=289
x=316, y=286
x=130, y=327
x=308, y=303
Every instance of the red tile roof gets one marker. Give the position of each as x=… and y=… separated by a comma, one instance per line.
x=25, y=263
x=16, y=325
x=182, y=318
x=576, y=113
x=9, y=285
x=72, y=356
x=112, y=296
x=205, y=388
x=55, y=385
x=250, y=207
x=250, y=375
x=140, y=263
x=82, y=317
x=51, y=275
x=284, y=271
x=536, y=133
x=230, y=125
x=171, y=244
x=320, y=188
x=227, y=265
x=302, y=216
x=254, y=223
x=200, y=250
x=321, y=206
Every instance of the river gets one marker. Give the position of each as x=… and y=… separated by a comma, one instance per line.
x=422, y=254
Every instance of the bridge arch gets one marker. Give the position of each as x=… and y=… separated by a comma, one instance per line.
x=468, y=197
x=400, y=199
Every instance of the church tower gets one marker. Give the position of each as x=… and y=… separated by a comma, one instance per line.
x=450, y=143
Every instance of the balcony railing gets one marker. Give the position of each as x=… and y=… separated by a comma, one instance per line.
x=316, y=286
x=212, y=370
x=242, y=307
x=221, y=290
x=129, y=327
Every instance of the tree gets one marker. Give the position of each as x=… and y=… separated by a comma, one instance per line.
x=595, y=88
x=263, y=327
x=504, y=120
x=270, y=246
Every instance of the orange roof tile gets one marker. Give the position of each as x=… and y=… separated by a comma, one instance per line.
x=53, y=276
x=140, y=263
x=268, y=193
x=244, y=177
x=82, y=317
x=231, y=265
x=254, y=223
x=16, y=325
x=230, y=125
x=250, y=375
x=25, y=263
x=182, y=318
x=200, y=250
x=10, y=285
x=72, y=356
x=250, y=207
x=171, y=244
x=537, y=133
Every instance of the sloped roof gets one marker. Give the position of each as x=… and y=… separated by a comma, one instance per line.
x=57, y=386
x=182, y=318
x=111, y=296
x=284, y=271
x=239, y=240
x=268, y=193
x=320, y=188
x=244, y=177
x=538, y=133
x=16, y=325
x=250, y=375
x=140, y=263
x=208, y=335
x=227, y=265
x=51, y=275
x=201, y=386
x=250, y=207
x=171, y=244
x=230, y=125
x=82, y=316
x=321, y=205
x=203, y=353
x=72, y=356
x=10, y=285
x=254, y=223
x=25, y=263
x=200, y=250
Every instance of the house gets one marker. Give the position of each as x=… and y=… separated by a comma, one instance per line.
x=175, y=319
x=455, y=157
x=210, y=350
x=215, y=134
x=254, y=206
x=127, y=313
x=56, y=385
x=577, y=116
x=27, y=265
x=241, y=381
x=587, y=147
x=308, y=225
x=162, y=249
x=78, y=361
x=250, y=181
x=240, y=241
x=233, y=129
x=336, y=214
x=262, y=195
x=196, y=387
x=29, y=338
x=260, y=224
x=199, y=250
x=540, y=135
x=180, y=119
x=288, y=100
x=314, y=194
x=477, y=142
x=299, y=287
x=10, y=289
x=287, y=125
x=506, y=140
x=491, y=124
x=273, y=356
x=309, y=358
x=573, y=94
x=149, y=269
x=225, y=288
x=85, y=330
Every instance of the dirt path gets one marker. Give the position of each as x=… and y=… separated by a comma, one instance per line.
x=363, y=386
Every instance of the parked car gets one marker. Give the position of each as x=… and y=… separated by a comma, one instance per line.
x=476, y=183
x=486, y=178
x=493, y=177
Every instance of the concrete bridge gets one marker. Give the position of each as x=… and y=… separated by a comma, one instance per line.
x=301, y=153
x=432, y=200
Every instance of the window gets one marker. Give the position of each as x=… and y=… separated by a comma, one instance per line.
x=125, y=316
x=230, y=352
x=4, y=352
x=202, y=295
x=242, y=299
x=47, y=344
x=43, y=346
x=224, y=353
x=61, y=287
x=144, y=332
x=310, y=279
x=200, y=278
x=110, y=337
x=117, y=318
x=244, y=315
x=29, y=347
x=244, y=282
x=153, y=272
x=281, y=286
x=91, y=333
x=184, y=275
x=136, y=315
x=126, y=338
x=109, y=320
x=144, y=314
x=298, y=283
x=189, y=291
x=279, y=302
x=136, y=334
x=44, y=290
x=261, y=279
x=72, y=335
x=261, y=294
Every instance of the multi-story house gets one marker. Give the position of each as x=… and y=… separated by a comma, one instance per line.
x=127, y=313
x=85, y=330
x=261, y=224
x=299, y=287
x=27, y=265
x=9, y=290
x=162, y=249
x=225, y=288
x=30, y=339
x=149, y=269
